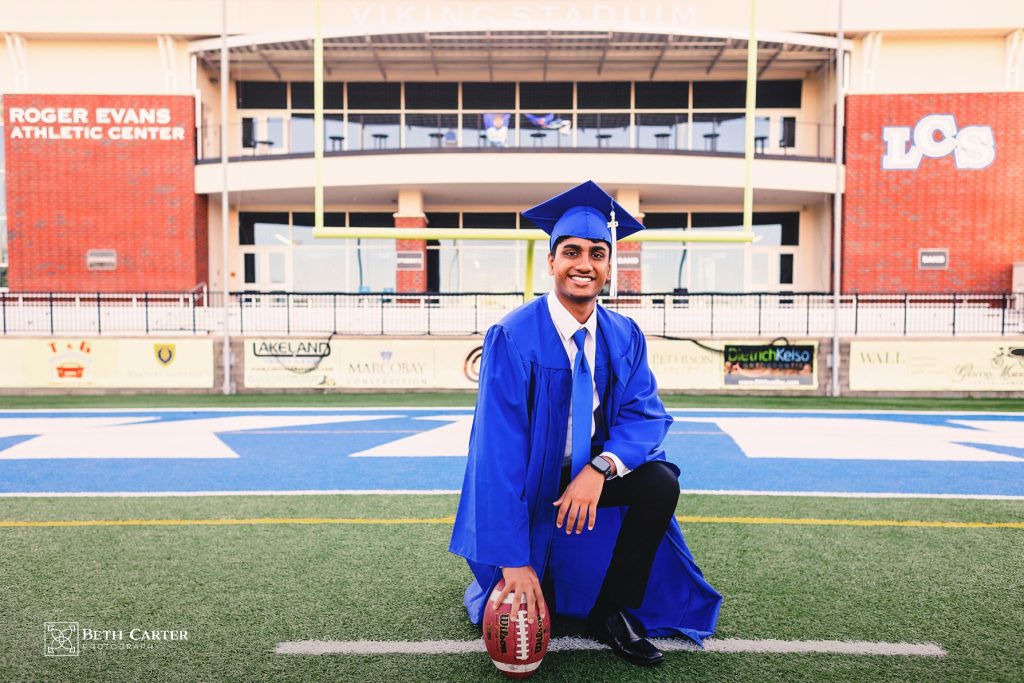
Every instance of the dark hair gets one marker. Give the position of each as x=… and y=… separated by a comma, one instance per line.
x=554, y=247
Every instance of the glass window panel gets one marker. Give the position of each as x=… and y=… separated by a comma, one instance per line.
x=662, y=95
x=665, y=219
x=334, y=133
x=779, y=94
x=759, y=271
x=276, y=267
x=720, y=132
x=374, y=95
x=785, y=269
x=492, y=266
x=603, y=130
x=3, y=189
x=261, y=95
x=492, y=129
x=373, y=131
x=375, y=265
x=301, y=133
x=302, y=95
x=431, y=130
x=247, y=221
x=249, y=268
x=488, y=96
x=602, y=95
x=661, y=131
x=371, y=219
x=545, y=96
x=319, y=269
x=273, y=134
x=275, y=234
x=503, y=220
x=545, y=130
x=716, y=269
x=442, y=219
x=664, y=267
x=302, y=226
x=719, y=94
x=431, y=95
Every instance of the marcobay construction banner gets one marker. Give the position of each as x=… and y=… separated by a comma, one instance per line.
x=362, y=363
x=937, y=365
x=76, y=363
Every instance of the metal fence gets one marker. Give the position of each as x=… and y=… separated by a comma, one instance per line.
x=673, y=314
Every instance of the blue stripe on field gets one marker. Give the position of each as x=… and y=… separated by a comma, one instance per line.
x=317, y=458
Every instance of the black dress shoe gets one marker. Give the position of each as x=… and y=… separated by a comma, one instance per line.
x=626, y=637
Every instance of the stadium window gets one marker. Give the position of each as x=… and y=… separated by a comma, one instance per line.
x=447, y=219
x=539, y=98
x=602, y=95
x=431, y=95
x=332, y=219
x=249, y=268
x=785, y=269
x=374, y=95
x=302, y=95
x=255, y=226
x=261, y=94
x=496, y=96
x=493, y=220
x=662, y=95
x=788, y=234
x=665, y=220
x=779, y=94
x=368, y=219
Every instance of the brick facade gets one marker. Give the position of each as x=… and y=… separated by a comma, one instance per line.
x=975, y=213
x=74, y=184
x=411, y=280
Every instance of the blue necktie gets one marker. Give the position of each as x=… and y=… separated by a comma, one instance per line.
x=582, y=405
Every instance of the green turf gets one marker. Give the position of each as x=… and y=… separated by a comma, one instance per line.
x=241, y=590
x=436, y=399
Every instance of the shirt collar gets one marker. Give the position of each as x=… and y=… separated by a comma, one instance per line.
x=566, y=323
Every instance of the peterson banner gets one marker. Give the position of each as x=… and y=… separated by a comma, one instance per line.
x=713, y=364
x=362, y=363
x=937, y=365
x=78, y=363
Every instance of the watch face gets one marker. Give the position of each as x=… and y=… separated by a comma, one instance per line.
x=601, y=465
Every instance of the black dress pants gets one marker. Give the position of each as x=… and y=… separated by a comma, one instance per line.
x=649, y=493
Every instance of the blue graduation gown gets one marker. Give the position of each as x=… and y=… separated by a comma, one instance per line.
x=506, y=517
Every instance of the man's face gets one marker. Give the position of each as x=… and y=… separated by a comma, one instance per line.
x=580, y=267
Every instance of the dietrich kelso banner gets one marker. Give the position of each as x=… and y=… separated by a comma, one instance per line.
x=770, y=366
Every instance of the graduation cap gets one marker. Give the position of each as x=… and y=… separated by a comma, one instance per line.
x=585, y=211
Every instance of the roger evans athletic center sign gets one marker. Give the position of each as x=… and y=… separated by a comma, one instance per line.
x=92, y=123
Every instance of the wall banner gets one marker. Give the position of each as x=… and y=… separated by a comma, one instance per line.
x=362, y=363
x=76, y=363
x=937, y=365
x=714, y=364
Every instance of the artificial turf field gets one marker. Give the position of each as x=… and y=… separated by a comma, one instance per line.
x=375, y=567
x=240, y=590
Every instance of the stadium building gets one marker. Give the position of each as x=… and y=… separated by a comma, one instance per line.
x=459, y=115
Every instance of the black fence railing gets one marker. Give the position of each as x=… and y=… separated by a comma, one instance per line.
x=679, y=313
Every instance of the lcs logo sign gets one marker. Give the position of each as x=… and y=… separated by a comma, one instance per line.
x=936, y=136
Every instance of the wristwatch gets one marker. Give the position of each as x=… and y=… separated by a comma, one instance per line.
x=602, y=466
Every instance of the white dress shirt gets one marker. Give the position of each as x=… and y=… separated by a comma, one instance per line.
x=567, y=325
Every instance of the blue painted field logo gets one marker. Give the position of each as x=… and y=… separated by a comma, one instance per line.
x=164, y=353
x=767, y=365
x=61, y=639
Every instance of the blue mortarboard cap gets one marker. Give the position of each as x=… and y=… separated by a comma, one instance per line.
x=583, y=211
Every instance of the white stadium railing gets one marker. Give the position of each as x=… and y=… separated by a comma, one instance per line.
x=397, y=314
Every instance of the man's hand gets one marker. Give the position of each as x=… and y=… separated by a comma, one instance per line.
x=523, y=581
x=578, y=504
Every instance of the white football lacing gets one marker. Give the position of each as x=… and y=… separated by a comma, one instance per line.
x=522, y=637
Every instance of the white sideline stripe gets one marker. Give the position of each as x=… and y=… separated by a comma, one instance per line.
x=457, y=409
x=452, y=492
x=724, y=645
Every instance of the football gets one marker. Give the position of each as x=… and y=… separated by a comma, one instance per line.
x=515, y=646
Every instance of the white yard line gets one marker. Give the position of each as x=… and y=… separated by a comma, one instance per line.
x=445, y=492
x=724, y=645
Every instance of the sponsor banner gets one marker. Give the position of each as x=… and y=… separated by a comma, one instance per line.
x=106, y=363
x=937, y=365
x=362, y=363
x=770, y=366
x=713, y=364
